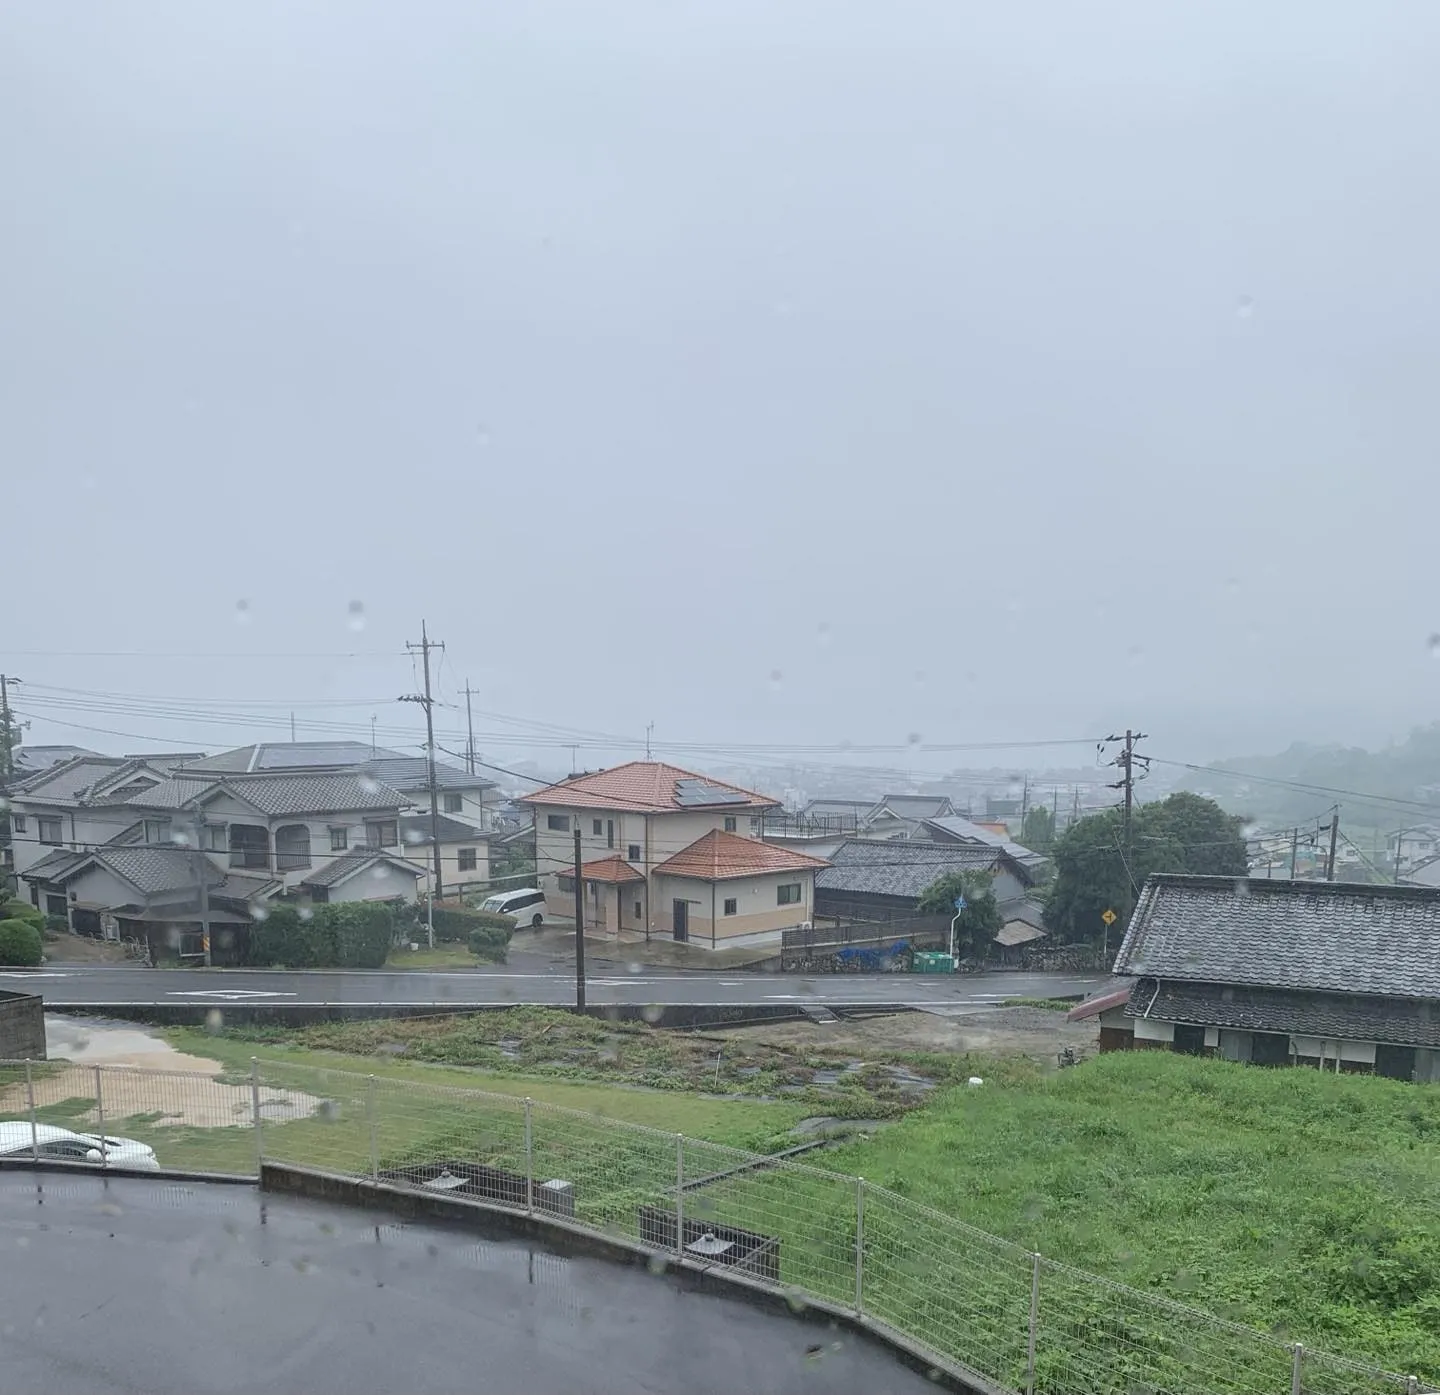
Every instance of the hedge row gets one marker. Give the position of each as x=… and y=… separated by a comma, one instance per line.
x=453, y=924
x=347, y=935
x=15, y=909
x=20, y=943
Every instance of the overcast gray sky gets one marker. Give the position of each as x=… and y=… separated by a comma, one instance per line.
x=781, y=372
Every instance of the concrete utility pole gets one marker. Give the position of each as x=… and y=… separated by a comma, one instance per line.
x=579, y=924
x=1294, y=850
x=1125, y=760
x=1334, y=834
x=6, y=731
x=469, y=732
x=427, y=701
x=202, y=865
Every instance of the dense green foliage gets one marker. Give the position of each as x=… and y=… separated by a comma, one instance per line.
x=979, y=920
x=1184, y=833
x=20, y=943
x=455, y=924
x=346, y=935
x=23, y=910
x=1278, y=1198
x=491, y=942
x=1038, y=830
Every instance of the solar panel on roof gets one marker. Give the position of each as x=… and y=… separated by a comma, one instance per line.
x=692, y=793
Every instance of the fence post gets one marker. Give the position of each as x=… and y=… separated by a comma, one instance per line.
x=1297, y=1369
x=859, y=1244
x=529, y=1160
x=30, y=1104
x=680, y=1194
x=1034, y=1324
x=374, y=1140
x=100, y=1118
x=255, y=1114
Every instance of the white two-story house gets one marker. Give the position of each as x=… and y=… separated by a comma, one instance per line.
x=665, y=851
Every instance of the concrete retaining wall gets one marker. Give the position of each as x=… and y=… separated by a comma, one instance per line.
x=22, y=1027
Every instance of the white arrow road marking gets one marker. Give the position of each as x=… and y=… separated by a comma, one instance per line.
x=38, y=973
x=231, y=994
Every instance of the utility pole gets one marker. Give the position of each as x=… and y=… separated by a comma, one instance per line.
x=7, y=732
x=427, y=701
x=1126, y=761
x=1294, y=849
x=292, y=728
x=202, y=864
x=372, y=737
x=1334, y=834
x=1025, y=800
x=649, y=728
x=579, y=926
x=469, y=732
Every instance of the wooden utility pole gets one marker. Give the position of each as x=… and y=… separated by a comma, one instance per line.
x=469, y=732
x=427, y=701
x=1334, y=834
x=579, y=925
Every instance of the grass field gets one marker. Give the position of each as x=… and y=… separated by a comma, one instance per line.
x=1282, y=1199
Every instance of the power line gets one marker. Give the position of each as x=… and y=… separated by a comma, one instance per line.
x=1377, y=799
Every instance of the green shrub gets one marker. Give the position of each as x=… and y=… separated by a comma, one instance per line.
x=492, y=942
x=20, y=943
x=453, y=924
x=15, y=909
x=56, y=925
x=346, y=935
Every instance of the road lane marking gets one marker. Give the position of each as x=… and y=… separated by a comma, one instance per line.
x=233, y=995
x=38, y=973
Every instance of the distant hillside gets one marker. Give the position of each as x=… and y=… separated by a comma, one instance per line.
x=1408, y=771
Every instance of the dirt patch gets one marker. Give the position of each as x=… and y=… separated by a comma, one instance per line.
x=985, y=1031
x=82, y=949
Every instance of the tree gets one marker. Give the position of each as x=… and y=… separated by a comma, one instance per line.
x=981, y=917
x=1184, y=833
x=10, y=734
x=1038, y=831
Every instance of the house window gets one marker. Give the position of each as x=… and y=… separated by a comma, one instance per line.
x=729, y=823
x=754, y=825
x=632, y=853
x=638, y=913
x=56, y=906
x=466, y=859
x=559, y=823
x=319, y=895
x=292, y=847
x=609, y=833
x=732, y=904
x=17, y=822
x=339, y=839
x=787, y=894
x=454, y=803
x=566, y=884
x=50, y=831
x=381, y=833
x=217, y=837
x=595, y=827
x=157, y=830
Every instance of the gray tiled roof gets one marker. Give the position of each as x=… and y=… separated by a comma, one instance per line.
x=152, y=870
x=412, y=773
x=968, y=832
x=67, y=781
x=415, y=831
x=340, y=792
x=914, y=806
x=289, y=755
x=1330, y=936
x=53, y=865
x=356, y=860
x=1329, y=1016
x=31, y=760
x=900, y=868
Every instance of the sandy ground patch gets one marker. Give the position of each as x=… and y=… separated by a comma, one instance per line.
x=143, y=1074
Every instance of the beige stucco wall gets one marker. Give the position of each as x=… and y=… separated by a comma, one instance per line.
x=80, y=830
x=381, y=882
x=756, y=910
x=452, y=878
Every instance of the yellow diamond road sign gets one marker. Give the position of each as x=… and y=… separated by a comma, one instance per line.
x=1108, y=917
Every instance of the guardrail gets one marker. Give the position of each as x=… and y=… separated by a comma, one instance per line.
x=983, y=1305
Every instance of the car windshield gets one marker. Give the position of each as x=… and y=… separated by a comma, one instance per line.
x=793, y=645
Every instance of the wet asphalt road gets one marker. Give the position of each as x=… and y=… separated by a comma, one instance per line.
x=74, y=985
x=123, y=1285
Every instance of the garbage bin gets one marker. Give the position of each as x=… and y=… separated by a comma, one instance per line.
x=932, y=961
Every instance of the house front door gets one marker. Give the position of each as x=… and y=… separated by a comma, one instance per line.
x=680, y=919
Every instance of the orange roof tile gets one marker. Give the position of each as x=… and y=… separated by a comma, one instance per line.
x=610, y=869
x=647, y=787
x=717, y=857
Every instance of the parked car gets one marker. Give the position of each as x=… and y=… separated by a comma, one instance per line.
x=57, y=1144
x=527, y=905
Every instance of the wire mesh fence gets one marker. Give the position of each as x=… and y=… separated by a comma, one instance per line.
x=1023, y=1322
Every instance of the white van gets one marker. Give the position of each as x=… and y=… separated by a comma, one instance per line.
x=527, y=905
